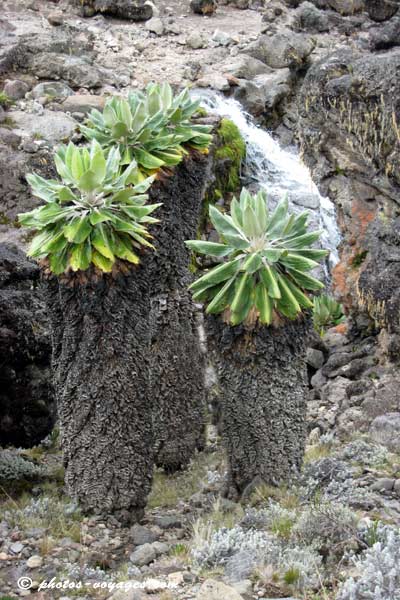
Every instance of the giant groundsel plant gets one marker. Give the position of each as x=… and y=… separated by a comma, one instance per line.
x=151, y=127
x=267, y=259
x=95, y=214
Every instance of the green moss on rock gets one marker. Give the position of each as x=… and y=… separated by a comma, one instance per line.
x=231, y=150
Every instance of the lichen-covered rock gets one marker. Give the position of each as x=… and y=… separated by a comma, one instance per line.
x=284, y=49
x=27, y=409
x=348, y=128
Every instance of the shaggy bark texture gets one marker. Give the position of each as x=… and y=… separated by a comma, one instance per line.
x=177, y=381
x=263, y=380
x=177, y=362
x=101, y=365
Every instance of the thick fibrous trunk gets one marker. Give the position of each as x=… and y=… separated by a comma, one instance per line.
x=177, y=362
x=262, y=378
x=177, y=381
x=100, y=355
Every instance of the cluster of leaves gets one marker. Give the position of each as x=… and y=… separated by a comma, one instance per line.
x=150, y=127
x=327, y=312
x=267, y=260
x=95, y=214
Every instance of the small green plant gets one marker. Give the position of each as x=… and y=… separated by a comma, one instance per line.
x=5, y=101
x=327, y=312
x=150, y=127
x=291, y=576
x=179, y=550
x=359, y=259
x=95, y=215
x=282, y=526
x=267, y=260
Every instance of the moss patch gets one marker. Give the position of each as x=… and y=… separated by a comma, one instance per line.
x=359, y=259
x=231, y=151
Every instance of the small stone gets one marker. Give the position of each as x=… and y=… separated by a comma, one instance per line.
x=195, y=41
x=216, y=590
x=16, y=548
x=396, y=487
x=318, y=380
x=34, y=562
x=176, y=579
x=83, y=103
x=53, y=89
x=55, y=18
x=221, y=38
x=155, y=25
x=4, y=556
x=168, y=521
x=142, y=535
x=244, y=587
x=143, y=555
x=160, y=548
x=197, y=500
x=314, y=358
x=15, y=89
x=384, y=484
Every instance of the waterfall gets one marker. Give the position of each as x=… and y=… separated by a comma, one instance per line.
x=278, y=170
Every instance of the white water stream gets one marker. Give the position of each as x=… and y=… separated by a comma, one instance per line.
x=279, y=171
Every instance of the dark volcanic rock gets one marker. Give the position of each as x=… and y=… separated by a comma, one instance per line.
x=381, y=10
x=311, y=18
x=203, y=7
x=349, y=115
x=26, y=399
x=134, y=10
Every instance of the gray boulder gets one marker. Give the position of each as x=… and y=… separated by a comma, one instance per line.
x=52, y=126
x=53, y=89
x=285, y=49
x=245, y=67
x=314, y=358
x=265, y=92
x=15, y=89
x=83, y=103
x=382, y=10
x=347, y=7
x=310, y=18
x=77, y=71
x=143, y=555
x=387, y=36
x=143, y=535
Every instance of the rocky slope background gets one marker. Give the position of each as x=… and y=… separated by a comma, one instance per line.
x=323, y=75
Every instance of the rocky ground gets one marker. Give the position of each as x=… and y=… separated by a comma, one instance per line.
x=319, y=73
